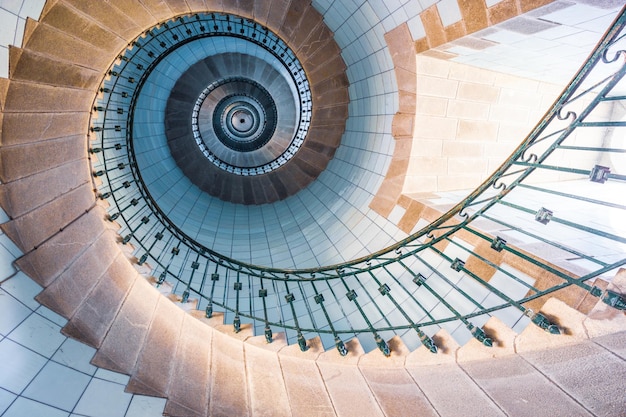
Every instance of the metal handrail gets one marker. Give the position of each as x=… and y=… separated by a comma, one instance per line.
x=532, y=157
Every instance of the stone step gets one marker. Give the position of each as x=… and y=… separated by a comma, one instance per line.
x=228, y=388
x=391, y=385
x=131, y=323
x=346, y=385
x=108, y=17
x=59, y=252
x=154, y=364
x=24, y=128
x=136, y=11
x=20, y=161
x=266, y=385
x=568, y=366
x=48, y=40
x=303, y=381
x=27, y=65
x=448, y=388
x=67, y=292
x=26, y=194
x=260, y=9
x=246, y=330
x=96, y=314
x=519, y=389
x=178, y=7
x=569, y=321
x=503, y=338
x=42, y=223
x=157, y=8
x=278, y=11
x=188, y=390
x=189, y=305
x=164, y=288
x=298, y=11
x=81, y=26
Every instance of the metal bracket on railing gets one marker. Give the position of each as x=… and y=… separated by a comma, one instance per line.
x=427, y=341
x=341, y=347
x=268, y=334
x=542, y=322
x=480, y=335
x=614, y=299
x=302, y=342
x=382, y=345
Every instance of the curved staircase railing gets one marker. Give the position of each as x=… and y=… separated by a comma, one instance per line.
x=549, y=220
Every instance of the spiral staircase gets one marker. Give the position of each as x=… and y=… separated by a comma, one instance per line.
x=554, y=347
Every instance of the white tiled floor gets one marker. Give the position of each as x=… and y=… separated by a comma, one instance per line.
x=42, y=372
x=13, y=14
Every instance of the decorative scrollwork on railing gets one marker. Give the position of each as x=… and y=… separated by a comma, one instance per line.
x=449, y=274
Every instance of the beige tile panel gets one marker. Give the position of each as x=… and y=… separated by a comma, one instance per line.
x=519, y=98
x=417, y=184
x=478, y=92
x=471, y=74
x=436, y=86
x=464, y=149
x=499, y=151
x=433, y=27
x=430, y=66
x=459, y=182
x=430, y=127
x=512, y=132
x=427, y=147
x=462, y=165
x=468, y=110
x=507, y=113
x=432, y=106
x=516, y=83
x=478, y=130
x=429, y=165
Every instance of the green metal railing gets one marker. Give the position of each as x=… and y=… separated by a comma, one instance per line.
x=555, y=205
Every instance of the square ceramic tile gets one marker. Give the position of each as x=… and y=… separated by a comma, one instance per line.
x=6, y=264
x=12, y=312
x=32, y=9
x=103, y=399
x=143, y=406
x=6, y=398
x=23, y=288
x=416, y=27
x=449, y=12
x=9, y=25
x=75, y=355
x=39, y=334
x=58, y=386
x=18, y=367
x=4, y=66
x=24, y=407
